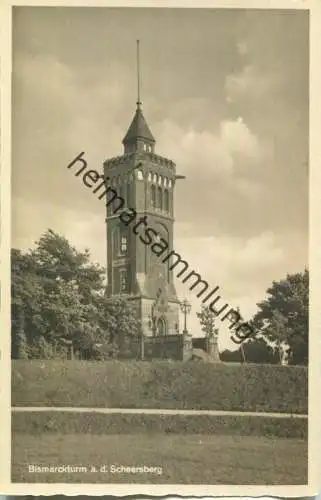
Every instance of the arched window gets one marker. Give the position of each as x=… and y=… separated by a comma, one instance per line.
x=122, y=280
x=157, y=268
x=161, y=327
x=123, y=244
x=115, y=242
x=166, y=200
x=120, y=243
x=160, y=198
x=153, y=196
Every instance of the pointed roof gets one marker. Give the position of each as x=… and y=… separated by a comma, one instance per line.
x=138, y=128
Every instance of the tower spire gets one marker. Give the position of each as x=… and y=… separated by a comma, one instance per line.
x=138, y=136
x=138, y=78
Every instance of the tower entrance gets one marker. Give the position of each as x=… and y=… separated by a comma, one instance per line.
x=161, y=327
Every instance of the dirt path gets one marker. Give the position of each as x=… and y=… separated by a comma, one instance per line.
x=147, y=411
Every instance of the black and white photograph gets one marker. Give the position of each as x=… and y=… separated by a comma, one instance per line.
x=160, y=246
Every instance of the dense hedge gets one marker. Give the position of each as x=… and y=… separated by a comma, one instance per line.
x=94, y=423
x=161, y=384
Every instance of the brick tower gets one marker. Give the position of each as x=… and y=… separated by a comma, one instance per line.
x=145, y=181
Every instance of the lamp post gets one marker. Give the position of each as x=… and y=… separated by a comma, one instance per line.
x=186, y=309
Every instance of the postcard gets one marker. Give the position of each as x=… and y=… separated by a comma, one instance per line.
x=160, y=304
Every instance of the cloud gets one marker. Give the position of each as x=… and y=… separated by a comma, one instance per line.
x=83, y=230
x=238, y=218
x=212, y=153
x=251, y=189
x=59, y=113
x=225, y=256
x=242, y=48
x=252, y=83
x=242, y=268
x=239, y=139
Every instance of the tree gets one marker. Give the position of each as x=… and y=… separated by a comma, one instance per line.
x=234, y=329
x=43, y=349
x=60, y=295
x=278, y=325
x=283, y=317
x=21, y=350
x=120, y=320
x=207, y=320
x=232, y=356
x=26, y=293
x=254, y=351
x=58, y=261
x=259, y=351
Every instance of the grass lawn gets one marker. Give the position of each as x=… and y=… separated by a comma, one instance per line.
x=193, y=459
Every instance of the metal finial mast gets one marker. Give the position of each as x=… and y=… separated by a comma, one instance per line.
x=138, y=78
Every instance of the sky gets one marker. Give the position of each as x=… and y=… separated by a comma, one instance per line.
x=225, y=93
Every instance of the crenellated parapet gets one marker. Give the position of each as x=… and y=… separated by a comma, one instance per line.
x=149, y=157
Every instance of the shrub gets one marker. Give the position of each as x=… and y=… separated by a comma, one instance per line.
x=133, y=384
